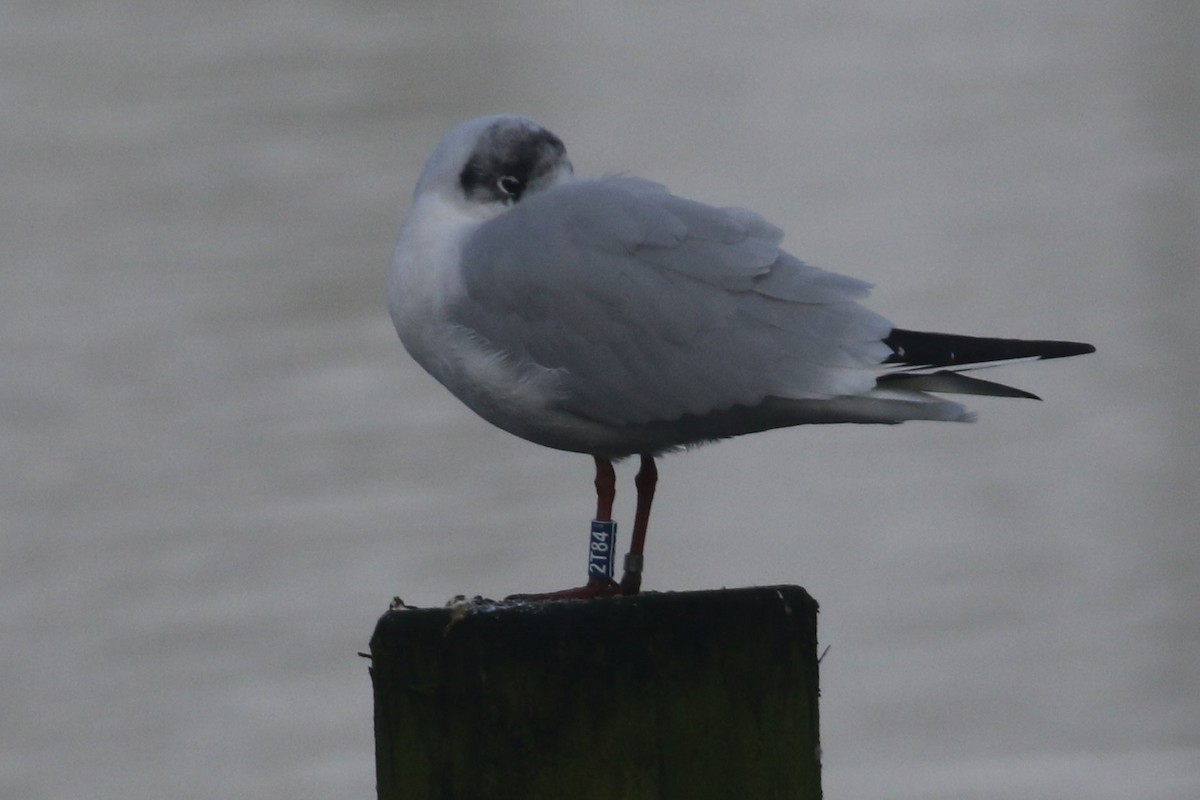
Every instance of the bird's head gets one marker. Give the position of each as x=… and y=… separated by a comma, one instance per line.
x=491, y=163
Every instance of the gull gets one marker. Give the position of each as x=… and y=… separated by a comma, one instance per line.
x=609, y=317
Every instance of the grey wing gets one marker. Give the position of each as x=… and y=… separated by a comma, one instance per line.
x=648, y=306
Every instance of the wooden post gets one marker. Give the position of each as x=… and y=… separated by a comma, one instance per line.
x=659, y=696
x=686, y=696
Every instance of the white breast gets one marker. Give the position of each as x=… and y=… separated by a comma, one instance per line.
x=424, y=286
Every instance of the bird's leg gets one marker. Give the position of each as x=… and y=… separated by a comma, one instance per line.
x=600, y=564
x=646, y=480
x=606, y=489
x=600, y=584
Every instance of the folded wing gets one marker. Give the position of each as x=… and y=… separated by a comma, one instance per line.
x=648, y=307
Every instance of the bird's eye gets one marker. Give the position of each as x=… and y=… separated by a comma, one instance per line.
x=510, y=187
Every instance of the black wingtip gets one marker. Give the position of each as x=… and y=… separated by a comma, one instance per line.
x=923, y=349
x=950, y=382
x=1082, y=348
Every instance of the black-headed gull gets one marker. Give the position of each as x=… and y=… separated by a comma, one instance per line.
x=610, y=317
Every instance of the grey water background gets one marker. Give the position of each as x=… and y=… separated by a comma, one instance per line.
x=217, y=464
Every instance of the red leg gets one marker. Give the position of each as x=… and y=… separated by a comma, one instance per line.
x=606, y=488
x=646, y=480
x=606, y=491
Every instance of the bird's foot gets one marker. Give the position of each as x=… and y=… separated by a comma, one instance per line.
x=631, y=583
x=595, y=587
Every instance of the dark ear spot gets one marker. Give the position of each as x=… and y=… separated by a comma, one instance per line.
x=508, y=160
